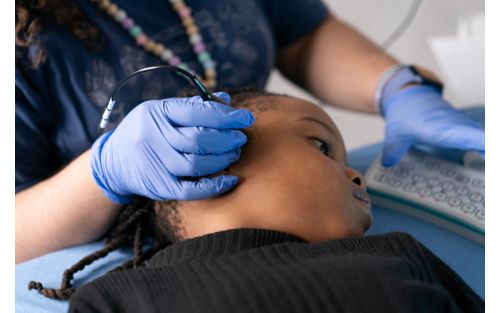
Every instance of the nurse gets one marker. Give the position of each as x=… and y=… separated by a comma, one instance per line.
x=70, y=55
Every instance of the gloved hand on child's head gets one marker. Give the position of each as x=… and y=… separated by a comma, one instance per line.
x=160, y=141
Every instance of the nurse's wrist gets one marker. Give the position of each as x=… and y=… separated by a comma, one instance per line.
x=400, y=77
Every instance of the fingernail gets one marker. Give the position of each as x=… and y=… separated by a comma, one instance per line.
x=249, y=119
x=240, y=137
x=224, y=96
x=237, y=154
x=231, y=181
x=387, y=162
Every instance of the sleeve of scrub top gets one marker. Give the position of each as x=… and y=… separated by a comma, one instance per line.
x=36, y=158
x=294, y=19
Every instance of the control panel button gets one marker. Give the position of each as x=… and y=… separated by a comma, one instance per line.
x=468, y=208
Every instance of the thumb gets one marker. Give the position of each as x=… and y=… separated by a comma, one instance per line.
x=224, y=96
x=207, y=187
x=394, y=150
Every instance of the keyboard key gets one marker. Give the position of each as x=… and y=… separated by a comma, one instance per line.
x=425, y=192
x=387, y=169
x=417, y=177
x=476, y=197
x=394, y=182
x=410, y=187
x=478, y=183
x=480, y=215
x=437, y=189
x=440, y=196
x=379, y=177
x=447, y=172
x=401, y=173
x=433, y=181
x=462, y=179
x=448, y=185
x=468, y=208
x=462, y=191
x=432, y=166
x=405, y=166
x=454, y=202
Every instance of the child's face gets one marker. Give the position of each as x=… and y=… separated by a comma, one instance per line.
x=293, y=178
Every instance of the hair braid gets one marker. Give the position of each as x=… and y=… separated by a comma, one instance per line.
x=129, y=229
x=138, y=241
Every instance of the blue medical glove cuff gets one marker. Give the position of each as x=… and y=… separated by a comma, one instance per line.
x=407, y=94
x=95, y=164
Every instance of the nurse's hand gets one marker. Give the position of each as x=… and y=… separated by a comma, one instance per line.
x=419, y=114
x=161, y=141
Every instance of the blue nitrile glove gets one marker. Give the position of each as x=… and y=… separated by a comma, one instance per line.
x=420, y=115
x=161, y=141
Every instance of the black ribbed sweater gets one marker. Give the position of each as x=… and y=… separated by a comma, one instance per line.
x=251, y=270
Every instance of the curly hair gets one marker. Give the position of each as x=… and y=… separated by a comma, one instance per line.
x=31, y=15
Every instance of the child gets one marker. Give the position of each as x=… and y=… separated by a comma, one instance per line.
x=287, y=239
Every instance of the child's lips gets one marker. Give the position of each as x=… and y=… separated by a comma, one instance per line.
x=362, y=196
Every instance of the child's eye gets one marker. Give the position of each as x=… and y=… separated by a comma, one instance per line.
x=322, y=145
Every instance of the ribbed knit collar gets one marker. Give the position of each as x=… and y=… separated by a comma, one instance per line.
x=219, y=244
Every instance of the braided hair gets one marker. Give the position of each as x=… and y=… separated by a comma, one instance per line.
x=131, y=228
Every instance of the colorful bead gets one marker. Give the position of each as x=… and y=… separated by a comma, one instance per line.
x=177, y=5
x=128, y=23
x=103, y=4
x=208, y=64
x=199, y=47
x=135, y=31
x=188, y=22
x=184, y=11
x=120, y=15
x=202, y=57
x=194, y=38
x=184, y=66
x=158, y=49
x=112, y=9
x=141, y=39
x=210, y=73
x=211, y=83
x=166, y=55
x=174, y=61
x=191, y=29
x=149, y=45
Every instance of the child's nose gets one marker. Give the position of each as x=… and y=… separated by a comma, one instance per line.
x=355, y=176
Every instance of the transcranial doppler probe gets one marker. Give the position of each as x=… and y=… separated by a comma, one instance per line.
x=191, y=78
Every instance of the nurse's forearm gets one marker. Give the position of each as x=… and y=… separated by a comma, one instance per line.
x=64, y=210
x=337, y=64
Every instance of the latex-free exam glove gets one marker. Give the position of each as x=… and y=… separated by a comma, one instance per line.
x=420, y=115
x=161, y=141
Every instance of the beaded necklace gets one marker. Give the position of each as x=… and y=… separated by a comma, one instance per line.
x=159, y=49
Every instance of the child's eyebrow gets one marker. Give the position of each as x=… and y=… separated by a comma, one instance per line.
x=312, y=119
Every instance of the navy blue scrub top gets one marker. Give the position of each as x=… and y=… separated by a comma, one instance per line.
x=59, y=104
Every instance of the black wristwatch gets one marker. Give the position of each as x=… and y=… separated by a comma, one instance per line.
x=396, y=78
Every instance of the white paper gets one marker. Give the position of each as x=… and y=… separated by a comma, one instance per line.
x=461, y=58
